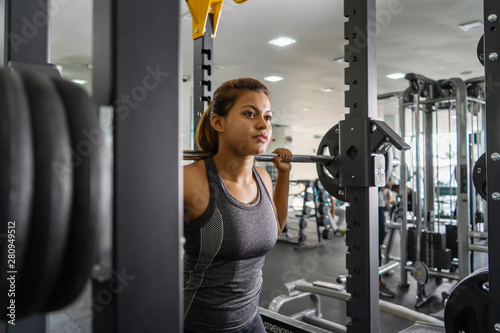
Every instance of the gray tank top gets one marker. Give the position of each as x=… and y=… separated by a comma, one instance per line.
x=223, y=257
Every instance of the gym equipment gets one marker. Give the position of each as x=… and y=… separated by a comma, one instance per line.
x=479, y=176
x=310, y=195
x=384, y=137
x=480, y=50
x=199, y=154
x=301, y=289
x=324, y=220
x=16, y=176
x=80, y=250
x=492, y=136
x=467, y=307
x=50, y=217
x=57, y=224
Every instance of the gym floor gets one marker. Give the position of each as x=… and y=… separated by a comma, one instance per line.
x=285, y=264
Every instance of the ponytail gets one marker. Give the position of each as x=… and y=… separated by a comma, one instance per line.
x=224, y=98
x=205, y=137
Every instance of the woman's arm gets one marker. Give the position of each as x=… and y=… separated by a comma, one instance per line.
x=281, y=189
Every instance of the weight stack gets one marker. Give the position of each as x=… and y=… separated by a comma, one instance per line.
x=433, y=251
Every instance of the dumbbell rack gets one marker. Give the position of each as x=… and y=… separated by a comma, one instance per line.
x=322, y=220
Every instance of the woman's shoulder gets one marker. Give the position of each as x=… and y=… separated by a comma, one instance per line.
x=194, y=172
x=263, y=173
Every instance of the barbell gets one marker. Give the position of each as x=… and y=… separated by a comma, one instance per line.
x=324, y=159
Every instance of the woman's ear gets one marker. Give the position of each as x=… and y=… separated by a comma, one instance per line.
x=217, y=123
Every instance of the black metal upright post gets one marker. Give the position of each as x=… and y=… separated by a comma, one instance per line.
x=28, y=24
x=136, y=70
x=492, y=86
x=355, y=149
x=202, y=71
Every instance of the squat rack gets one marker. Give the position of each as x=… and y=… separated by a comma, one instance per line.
x=125, y=45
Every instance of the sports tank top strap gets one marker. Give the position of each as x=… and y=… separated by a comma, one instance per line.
x=212, y=176
x=260, y=184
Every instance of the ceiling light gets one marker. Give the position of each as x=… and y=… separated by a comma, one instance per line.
x=282, y=41
x=396, y=76
x=78, y=81
x=340, y=60
x=471, y=25
x=273, y=78
x=305, y=108
x=327, y=89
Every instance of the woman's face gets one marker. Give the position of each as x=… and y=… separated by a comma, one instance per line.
x=247, y=127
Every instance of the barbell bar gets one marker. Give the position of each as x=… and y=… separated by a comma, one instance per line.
x=190, y=155
x=199, y=154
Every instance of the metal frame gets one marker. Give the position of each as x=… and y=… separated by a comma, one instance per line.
x=463, y=217
x=492, y=78
x=361, y=215
x=202, y=72
x=139, y=76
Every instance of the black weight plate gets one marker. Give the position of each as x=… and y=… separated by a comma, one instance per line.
x=479, y=176
x=467, y=307
x=480, y=50
x=328, y=234
x=329, y=175
x=323, y=209
x=86, y=142
x=16, y=177
x=323, y=221
x=52, y=197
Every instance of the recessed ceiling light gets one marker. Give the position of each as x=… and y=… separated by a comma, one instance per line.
x=78, y=81
x=282, y=41
x=305, y=108
x=273, y=78
x=471, y=25
x=340, y=60
x=396, y=76
x=327, y=89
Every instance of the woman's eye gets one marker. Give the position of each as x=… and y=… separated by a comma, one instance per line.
x=268, y=118
x=251, y=114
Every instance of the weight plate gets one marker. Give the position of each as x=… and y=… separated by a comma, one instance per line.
x=479, y=176
x=329, y=175
x=52, y=196
x=480, y=50
x=16, y=177
x=323, y=221
x=421, y=273
x=318, y=185
x=327, y=234
x=323, y=196
x=81, y=248
x=303, y=223
x=323, y=209
x=467, y=308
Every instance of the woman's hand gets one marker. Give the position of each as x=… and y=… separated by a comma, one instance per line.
x=282, y=161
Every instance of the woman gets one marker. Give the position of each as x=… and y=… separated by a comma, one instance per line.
x=231, y=218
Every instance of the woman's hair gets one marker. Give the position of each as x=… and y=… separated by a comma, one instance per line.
x=223, y=100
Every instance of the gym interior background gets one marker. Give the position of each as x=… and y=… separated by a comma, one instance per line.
x=435, y=39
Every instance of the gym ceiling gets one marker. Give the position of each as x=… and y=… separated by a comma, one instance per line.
x=419, y=36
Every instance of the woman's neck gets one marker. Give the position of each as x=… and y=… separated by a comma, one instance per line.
x=234, y=168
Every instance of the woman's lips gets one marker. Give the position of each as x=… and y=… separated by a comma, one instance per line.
x=262, y=138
